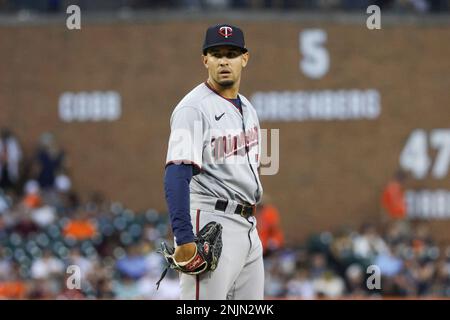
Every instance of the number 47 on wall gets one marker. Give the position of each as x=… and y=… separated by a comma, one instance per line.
x=415, y=157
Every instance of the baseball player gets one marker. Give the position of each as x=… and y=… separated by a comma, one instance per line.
x=212, y=173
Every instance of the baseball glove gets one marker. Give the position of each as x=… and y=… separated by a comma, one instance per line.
x=208, y=249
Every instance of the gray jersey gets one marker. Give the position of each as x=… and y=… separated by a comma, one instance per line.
x=208, y=131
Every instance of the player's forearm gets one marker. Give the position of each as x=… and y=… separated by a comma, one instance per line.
x=176, y=185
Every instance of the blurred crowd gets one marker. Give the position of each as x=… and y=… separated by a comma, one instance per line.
x=54, y=245
x=109, y=5
x=345, y=264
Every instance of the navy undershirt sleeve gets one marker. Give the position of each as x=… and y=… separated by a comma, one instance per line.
x=176, y=186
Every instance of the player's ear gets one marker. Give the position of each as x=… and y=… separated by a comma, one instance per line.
x=245, y=57
x=205, y=61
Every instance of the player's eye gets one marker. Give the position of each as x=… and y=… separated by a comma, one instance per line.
x=229, y=55
x=232, y=54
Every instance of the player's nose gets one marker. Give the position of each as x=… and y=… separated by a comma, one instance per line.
x=223, y=61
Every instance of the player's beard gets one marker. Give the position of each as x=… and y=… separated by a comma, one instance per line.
x=226, y=83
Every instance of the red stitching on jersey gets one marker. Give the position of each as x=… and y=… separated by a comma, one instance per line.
x=197, y=277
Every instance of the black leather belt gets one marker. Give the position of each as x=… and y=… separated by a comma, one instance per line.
x=242, y=210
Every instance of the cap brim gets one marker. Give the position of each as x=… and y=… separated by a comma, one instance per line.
x=244, y=50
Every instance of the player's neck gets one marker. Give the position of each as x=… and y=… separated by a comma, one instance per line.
x=226, y=92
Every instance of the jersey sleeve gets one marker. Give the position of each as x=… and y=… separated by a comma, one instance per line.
x=186, y=138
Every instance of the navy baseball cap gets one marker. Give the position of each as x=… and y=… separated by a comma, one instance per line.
x=223, y=35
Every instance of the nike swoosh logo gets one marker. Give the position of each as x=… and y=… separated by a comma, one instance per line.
x=218, y=117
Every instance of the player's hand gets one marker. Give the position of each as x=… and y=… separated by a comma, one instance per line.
x=185, y=252
x=193, y=258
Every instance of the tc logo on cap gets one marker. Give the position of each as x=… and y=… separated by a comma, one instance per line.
x=226, y=31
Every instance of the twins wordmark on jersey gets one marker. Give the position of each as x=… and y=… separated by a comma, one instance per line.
x=239, y=144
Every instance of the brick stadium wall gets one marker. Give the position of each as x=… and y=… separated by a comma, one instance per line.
x=331, y=173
